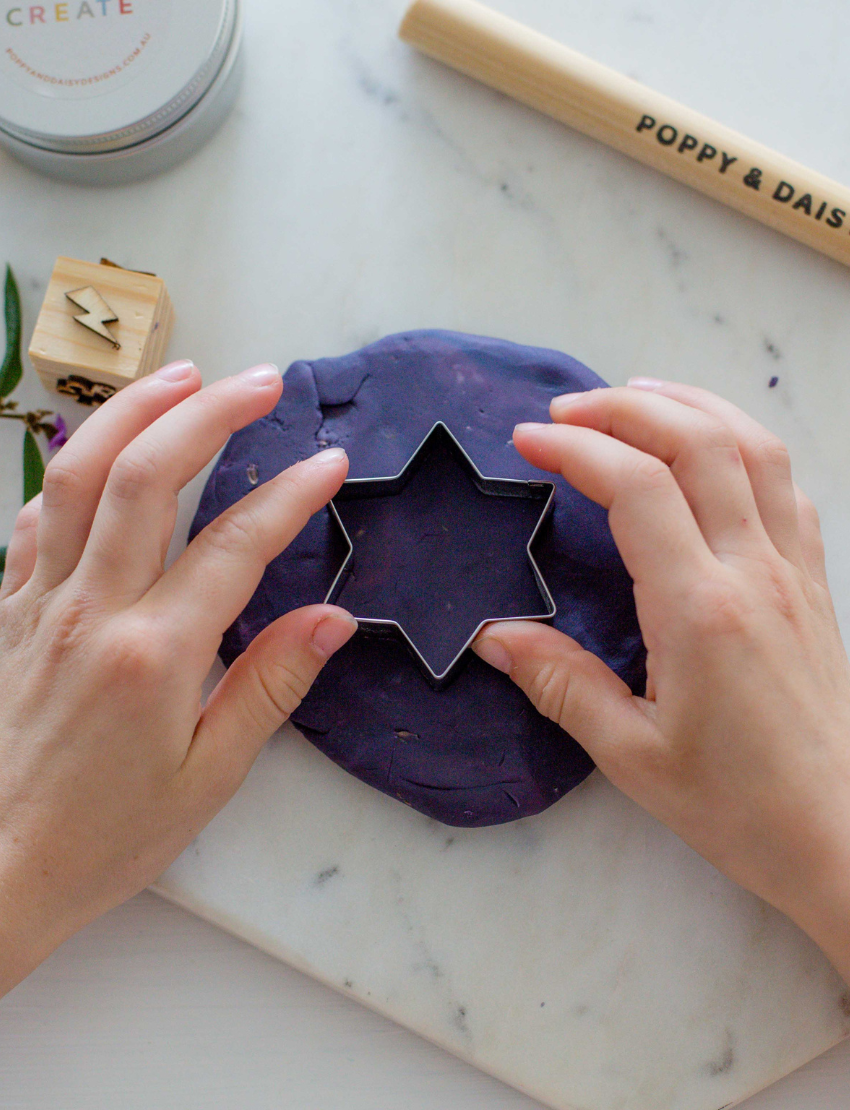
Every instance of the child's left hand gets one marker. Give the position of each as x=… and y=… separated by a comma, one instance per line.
x=108, y=765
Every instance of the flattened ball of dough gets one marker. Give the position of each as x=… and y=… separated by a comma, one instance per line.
x=476, y=753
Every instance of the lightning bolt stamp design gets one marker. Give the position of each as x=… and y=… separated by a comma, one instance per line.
x=96, y=313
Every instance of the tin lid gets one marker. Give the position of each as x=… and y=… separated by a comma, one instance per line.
x=89, y=76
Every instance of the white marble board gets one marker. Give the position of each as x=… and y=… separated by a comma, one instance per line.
x=585, y=956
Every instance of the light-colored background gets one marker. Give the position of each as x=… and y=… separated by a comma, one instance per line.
x=496, y=215
x=152, y=1009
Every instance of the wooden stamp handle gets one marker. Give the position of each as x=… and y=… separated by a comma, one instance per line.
x=626, y=115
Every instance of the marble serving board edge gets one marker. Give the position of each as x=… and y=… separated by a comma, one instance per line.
x=262, y=941
x=541, y=952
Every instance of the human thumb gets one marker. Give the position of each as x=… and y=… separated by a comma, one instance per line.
x=565, y=683
x=266, y=684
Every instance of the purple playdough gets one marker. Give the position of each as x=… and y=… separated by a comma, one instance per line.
x=475, y=753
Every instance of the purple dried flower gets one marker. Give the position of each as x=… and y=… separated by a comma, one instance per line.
x=61, y=437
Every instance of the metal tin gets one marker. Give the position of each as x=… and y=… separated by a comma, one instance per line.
x=104, y=92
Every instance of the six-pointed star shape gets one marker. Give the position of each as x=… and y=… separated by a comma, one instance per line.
x=438, y=551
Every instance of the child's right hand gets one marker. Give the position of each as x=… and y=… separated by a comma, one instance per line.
x=742, y=743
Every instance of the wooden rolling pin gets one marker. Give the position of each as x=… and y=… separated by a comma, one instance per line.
x=631, y=118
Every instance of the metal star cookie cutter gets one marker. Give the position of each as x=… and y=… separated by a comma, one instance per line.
x=358, y=488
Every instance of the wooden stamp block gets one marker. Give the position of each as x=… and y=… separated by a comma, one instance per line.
x=100, y=328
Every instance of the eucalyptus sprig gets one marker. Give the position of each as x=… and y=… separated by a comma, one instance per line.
x=12, y=369
x=42, y=421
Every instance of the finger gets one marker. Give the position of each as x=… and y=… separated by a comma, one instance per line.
x=571, y=687
x=653, y=526
x=21, y=552
x=765, y=457
x=262, y=689
x=216, y=576
x=699, y=449
x=811, y=540
x=74, y=480
x=135, y=519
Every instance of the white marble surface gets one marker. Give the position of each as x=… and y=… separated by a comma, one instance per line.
x=360, y=190
x=151, y=1007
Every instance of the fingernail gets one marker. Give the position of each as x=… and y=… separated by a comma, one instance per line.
x=565, y=399
x=531, y=427
x=260, y=376
x=645, y=383
x=332, y=632
x=175, y=371
x=331, y=455
x=494, y=653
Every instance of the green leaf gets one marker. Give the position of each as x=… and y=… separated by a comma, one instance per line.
x=12, y=368
x=2, y=563
x=33, y=467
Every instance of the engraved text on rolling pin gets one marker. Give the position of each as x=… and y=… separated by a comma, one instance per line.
x=785, y=192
